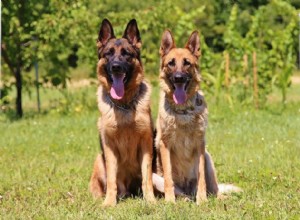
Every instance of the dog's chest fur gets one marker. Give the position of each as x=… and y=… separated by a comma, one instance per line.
x=183, y=131
x=122, y=127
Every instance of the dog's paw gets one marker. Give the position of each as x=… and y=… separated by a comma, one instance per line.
x=150, y=198
x=110, y=202
x=97, y=194
x=96, y=191
x=95, y=188
x=170, y=198
x=201, y=198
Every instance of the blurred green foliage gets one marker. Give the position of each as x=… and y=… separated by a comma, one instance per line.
x=62, y=34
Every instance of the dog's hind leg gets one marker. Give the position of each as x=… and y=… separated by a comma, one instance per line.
x=122, y=191
x=98, y=179
x=210, y=176
x=213, y=187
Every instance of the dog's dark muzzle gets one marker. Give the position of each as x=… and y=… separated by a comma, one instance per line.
x=180, y=77
x=117, y=67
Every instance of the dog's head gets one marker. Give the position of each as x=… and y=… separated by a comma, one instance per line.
x=119, y=66
x=179, y=71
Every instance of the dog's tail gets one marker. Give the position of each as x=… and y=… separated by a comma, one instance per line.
x=158, y=183
x=228, y=188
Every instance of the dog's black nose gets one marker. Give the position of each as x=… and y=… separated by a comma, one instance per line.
x=116, y=67
x=180, y=78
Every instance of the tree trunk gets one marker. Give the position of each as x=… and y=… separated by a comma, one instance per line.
x=18, y=74
x=15, y=68
x=18, y=77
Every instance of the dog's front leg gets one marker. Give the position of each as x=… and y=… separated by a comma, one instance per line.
x=147, y=154
x=201, y=188
x=167, y=168
x=111, y=171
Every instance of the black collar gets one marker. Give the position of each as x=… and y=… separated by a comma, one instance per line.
x=125, y=107
x=188, y=107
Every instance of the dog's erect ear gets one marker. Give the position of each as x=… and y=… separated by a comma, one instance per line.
x=167, y=43
x=106, y=33
x=193, y=44
x=132, y=33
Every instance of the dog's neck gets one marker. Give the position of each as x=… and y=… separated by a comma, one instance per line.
x=128, y=102
x=187, y=107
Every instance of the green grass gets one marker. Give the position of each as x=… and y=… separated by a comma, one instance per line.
x=46, y=161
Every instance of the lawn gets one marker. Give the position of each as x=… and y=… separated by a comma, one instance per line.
x=46, y=161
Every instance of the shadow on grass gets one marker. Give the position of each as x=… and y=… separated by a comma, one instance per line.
x=11, y=115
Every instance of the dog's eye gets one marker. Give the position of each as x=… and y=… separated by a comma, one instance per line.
x=110, y=52
x=186, y=62
x=171, y=63
x=125, y=52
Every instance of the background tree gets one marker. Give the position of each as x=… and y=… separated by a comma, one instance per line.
x=17, y=17
x=62, y=34
x=53, y=32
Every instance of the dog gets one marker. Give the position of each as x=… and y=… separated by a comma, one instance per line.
x=125, y=125
x=182, y=160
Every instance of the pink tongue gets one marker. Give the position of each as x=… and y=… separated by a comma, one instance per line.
x=117, y=88
x=179, y=95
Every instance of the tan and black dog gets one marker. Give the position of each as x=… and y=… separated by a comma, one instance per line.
x=182, y=159
x=125, y=125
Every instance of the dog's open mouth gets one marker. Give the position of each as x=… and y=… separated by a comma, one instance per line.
x=179, y=95
x=180, y=83
x=118, y=83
